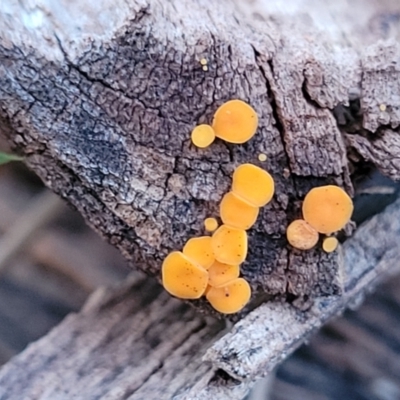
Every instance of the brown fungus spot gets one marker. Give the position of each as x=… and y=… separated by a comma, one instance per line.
x=229, y=245
x=200, y=251
x=183, y=278
x=203, y=135
x=301, y=235
x=327, y=208
x=235, y=122
x=237, y=213
x=220, y=274
x=253, y=184
x=231, y=297
x=330, y=244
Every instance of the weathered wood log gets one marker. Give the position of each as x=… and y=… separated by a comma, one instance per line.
x=101, y=100
x=134, y=342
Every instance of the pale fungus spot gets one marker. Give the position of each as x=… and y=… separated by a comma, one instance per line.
x=200, y=251
x=262, y=157
x=210, y=224
x=183, y=278
x=253, y=185
x=382, y=107
x=203, y=135
x=220, y=274
x=235, y=122
x=327, y=208
x=236, y=212
x=301, y=235
x=231, y=297
x=205, y=68
x=330, y=244
x=229, y=245
x=203, y=61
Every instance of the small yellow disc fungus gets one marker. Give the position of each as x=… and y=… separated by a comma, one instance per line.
x=236, y=212
x=301, y=235
x=231, y=297
x=235, y=122
x=330, y=244
x=327, y=208
x=203, y=135
x=205, y=68
x=253, y=184
x=203, y=61
x=182, y=278
x=220, y=274
x=199, y=250
x=211, y=224
x=229, y=245
x=262, y=157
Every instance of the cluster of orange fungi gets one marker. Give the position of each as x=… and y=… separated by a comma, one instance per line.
x=326, y=210
x=235, y=122
x=210, y=265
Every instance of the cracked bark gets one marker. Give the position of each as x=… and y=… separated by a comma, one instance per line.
x=100, y=98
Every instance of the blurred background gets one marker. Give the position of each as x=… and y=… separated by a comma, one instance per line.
x=50, y=261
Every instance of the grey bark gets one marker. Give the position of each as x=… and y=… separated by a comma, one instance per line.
x=134, y=342
x=101, y=100
x=100, y=97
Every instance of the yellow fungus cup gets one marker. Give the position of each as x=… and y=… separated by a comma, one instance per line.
x=301, y=235
x=199, y=250
x=203, y=135
x=235, y=122
x=330, y=244
x=220, y=274
x=237, y=213
x=253, y=184
x=183, y=278
x=327, y=208
x=229, y=245
x=210, y=224
x=231, y=297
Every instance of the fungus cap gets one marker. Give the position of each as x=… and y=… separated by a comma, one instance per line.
x=229, y=245
x=301, y=235
x=237, y=213
x=220, y=274
x=183, y=278
x=203, y=135
x=330, y=244
x=210, y=224
x=231, y=297
x=253, y=184
x=199, y=251
x=235, y=121
x=327, y=208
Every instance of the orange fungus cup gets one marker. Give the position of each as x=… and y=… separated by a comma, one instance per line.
x=327, y=208
x=235, y=122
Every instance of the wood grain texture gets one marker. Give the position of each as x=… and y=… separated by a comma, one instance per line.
x=101, y=99
x=102, y=108
x=134, y=342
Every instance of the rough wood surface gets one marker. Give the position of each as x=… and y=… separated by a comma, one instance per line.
x=134, y=342
x=101, y=97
